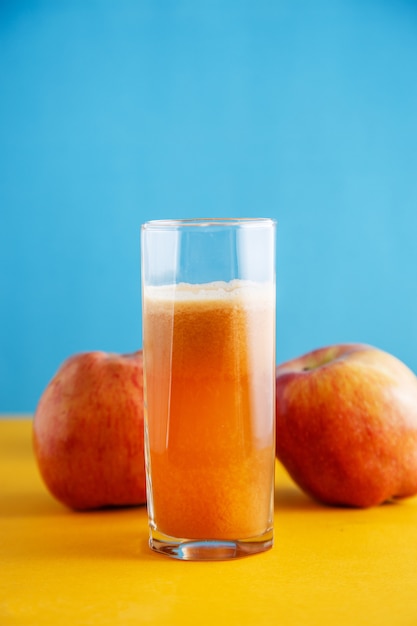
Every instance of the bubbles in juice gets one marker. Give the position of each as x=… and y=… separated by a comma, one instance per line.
x=210, y=406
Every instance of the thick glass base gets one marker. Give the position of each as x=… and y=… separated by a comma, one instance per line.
x=209, y=549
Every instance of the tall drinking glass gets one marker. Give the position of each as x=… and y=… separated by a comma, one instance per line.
x=208, y=296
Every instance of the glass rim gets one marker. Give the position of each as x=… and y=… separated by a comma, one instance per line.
x=203, y=222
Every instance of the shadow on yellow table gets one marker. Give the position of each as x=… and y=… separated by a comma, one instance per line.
x=328, y=565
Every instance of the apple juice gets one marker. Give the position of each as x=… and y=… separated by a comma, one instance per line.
x=210, y=408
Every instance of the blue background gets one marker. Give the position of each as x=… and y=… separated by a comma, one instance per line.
x=112, y=113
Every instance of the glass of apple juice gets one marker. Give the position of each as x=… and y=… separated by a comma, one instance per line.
x=208, y=298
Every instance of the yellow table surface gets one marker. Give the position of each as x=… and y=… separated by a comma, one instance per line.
x=328, y=565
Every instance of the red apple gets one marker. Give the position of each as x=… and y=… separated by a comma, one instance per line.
x=88, y=431
x=347, y=425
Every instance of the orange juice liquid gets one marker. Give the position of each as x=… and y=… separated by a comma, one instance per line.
x=209, y=409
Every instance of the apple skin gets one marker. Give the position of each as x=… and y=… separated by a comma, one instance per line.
x=346, y=419
x=88, y=432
